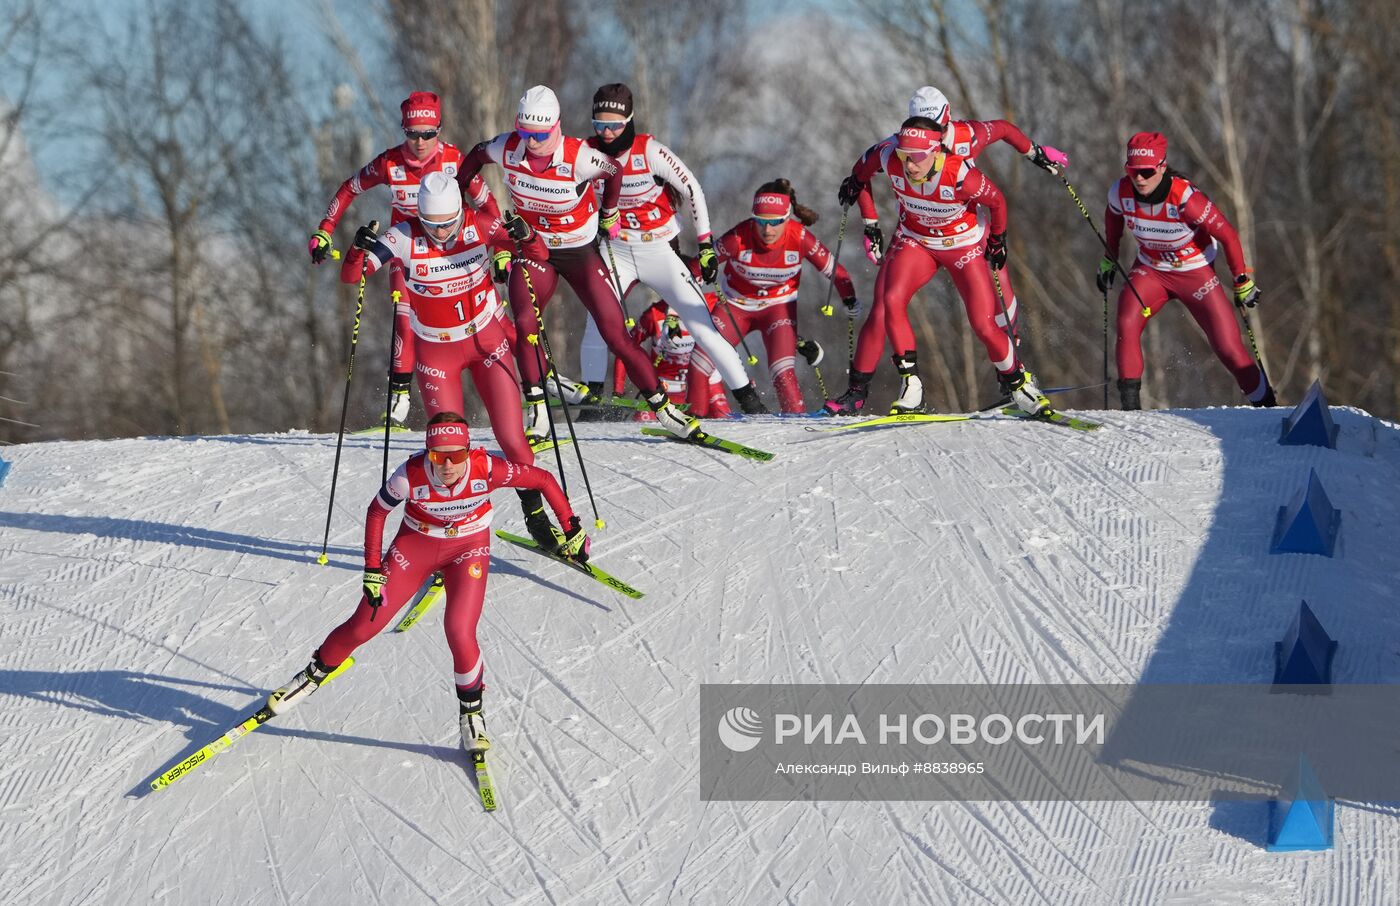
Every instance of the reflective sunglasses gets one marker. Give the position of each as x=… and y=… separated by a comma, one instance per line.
x=917, y=157
x=534, y=136
x=436, y=227
x=456, y=457
x=423, y=136
x=767, y=222
x=1143, y=173
x=605, y=125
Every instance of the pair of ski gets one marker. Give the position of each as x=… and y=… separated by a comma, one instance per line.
x=485, y=786
x=1049, y=417
x=434, y=592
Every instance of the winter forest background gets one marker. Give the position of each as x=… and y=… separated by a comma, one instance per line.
x=162, y=163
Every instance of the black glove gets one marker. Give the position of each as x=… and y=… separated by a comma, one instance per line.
x=996, y=251
x=572, y=543
x=1246, y=293
x=518, y=229
x=1107, y=272
x=709, y=262
x=500, y=266
x=850, y=191
x=319, y=246
x=367, y=236
x=373, y=584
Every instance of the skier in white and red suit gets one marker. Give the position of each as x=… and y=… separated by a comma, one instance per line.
x=938, y=227
x=1177, y=229
x=402, y=168
x=761, y=267
x=966, y=139
x=446, y=492
x=653, y=177
x=550, y=178
x=457, y=323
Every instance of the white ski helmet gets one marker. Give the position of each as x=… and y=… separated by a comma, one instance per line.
x=930, y=102
x=538, y=110
x=439, y=203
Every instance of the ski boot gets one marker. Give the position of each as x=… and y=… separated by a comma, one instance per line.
x=1129, y=393
x=536, y=414
x=747, y=398
x=592, y=414
x=671, y=418
x=1020, y=386
x=397, y=414
x=300, y=687
x=473, y=723
x=572, y=392
x=911, y=389
x=537, y=521
x=1268, y=400
x=853, y=400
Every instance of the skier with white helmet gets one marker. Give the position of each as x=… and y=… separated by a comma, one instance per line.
x=550, y=177
x=457, y=322
x=965, y=140
x=401, y=168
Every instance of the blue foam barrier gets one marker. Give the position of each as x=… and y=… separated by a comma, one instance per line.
x=1304, y=657
x=1310, y=422
x=1308, y=525
x=1303, y=820
x=4, y=470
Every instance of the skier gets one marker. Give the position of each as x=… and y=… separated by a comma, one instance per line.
x=653, y=177
x=761, y=261
x=457, y=323
x=671, y=343
x=550, y=177
x=402, y=168
x=1177, y=228
x=446, y=490
x=938, y=227
x=963, y=138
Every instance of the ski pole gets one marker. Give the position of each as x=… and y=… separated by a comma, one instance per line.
x=542, y=349
x=389, y=391
x=826, y=308
x=1105, y=348
x=1110, y=254
x=345, y=400
x=617, y=286
x=1253, y=344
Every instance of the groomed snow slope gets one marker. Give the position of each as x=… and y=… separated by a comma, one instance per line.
x=152, y=590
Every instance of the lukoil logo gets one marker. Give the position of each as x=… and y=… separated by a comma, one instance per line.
x=740, y=729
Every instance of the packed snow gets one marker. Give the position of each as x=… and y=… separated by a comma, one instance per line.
x=153, y=590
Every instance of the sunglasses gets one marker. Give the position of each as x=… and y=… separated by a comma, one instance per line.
x=1144, y=173
x=605, y=125
x=423, y=136
x=770, y=222
x=456, y=457
x=436, y=227
x=534, y=136
x=916, y=156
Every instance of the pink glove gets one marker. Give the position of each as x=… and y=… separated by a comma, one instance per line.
x=1056, y=156
x=611, y=222
x=874, y=243
x=1047, y=158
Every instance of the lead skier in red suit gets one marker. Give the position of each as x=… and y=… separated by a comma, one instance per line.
x=402, y=169
x=963, y=138
x=446, y=492
x=456, y=322
x=760, y=270
x=1177, y=229
x=550, y=179
x=938, y=227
